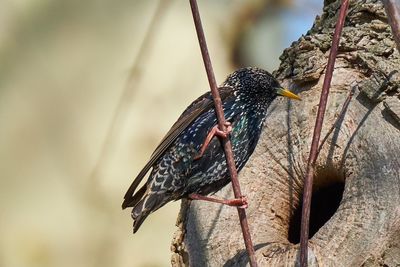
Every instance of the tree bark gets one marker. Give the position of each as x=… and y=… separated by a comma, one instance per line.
x=360, y=154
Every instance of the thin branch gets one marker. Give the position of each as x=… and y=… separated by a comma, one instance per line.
x=392, y=8
x=221, y=124
x=305, y=213
x=127, y=94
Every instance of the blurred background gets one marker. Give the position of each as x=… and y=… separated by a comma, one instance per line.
x=87, y=90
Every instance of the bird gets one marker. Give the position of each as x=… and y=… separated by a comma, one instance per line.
x=190, y=162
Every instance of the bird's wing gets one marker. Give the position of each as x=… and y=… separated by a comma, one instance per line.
x=194, y=110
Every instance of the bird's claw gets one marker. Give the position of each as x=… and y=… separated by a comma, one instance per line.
x=245, y=202
x=240, y=202
x=224, y=134
x=215, y=131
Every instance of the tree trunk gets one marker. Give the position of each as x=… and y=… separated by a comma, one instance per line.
x=356, y=197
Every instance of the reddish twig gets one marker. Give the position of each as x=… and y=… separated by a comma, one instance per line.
x=221, y=124
x=308, y=181
x=392, y=8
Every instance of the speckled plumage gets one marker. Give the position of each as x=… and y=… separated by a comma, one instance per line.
x=246, y=95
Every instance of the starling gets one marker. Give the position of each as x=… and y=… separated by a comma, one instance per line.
x=190, y=160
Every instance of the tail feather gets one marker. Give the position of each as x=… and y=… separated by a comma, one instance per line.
x=148, y=204
x=139, y=214
x=131, y=201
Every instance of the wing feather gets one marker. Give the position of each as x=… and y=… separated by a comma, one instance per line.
x=198, y=107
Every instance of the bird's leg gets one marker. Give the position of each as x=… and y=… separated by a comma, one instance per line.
x=236, y=202
x=215, y=131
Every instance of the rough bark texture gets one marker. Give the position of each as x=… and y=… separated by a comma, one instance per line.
x=361, y=153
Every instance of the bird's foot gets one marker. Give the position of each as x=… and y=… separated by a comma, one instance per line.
x=240, y=202
x=223, y=134
x=215, y=131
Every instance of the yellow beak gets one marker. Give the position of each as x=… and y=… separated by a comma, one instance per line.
x=287, y=93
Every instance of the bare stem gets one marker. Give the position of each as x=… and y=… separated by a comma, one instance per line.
x=305, y=213
x=392, y=8
x=221, y=124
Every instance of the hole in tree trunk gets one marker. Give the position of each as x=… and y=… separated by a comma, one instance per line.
x=324, y=203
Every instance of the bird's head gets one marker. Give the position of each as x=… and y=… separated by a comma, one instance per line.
x=256, y=86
